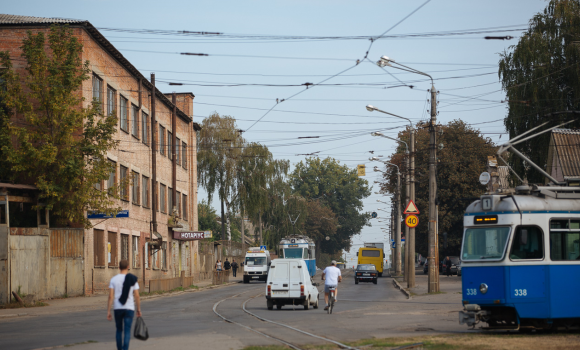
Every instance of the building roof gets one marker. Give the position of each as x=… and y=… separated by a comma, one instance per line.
x=29, y=21
x=565, y=149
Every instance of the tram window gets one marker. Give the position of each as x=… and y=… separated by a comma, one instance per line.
x=565, y=239
x=305, y=254
x=293, y=253
x=527, y=243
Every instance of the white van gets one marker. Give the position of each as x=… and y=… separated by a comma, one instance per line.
x=256, y=265
x=289, y=284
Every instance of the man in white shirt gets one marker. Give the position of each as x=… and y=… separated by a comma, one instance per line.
x=331, y=276
x=124, y=293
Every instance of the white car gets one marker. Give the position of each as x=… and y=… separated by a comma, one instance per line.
x=289, y=283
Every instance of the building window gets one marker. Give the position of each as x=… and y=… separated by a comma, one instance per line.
x=145, y=128
x=170, y=201
x=145, y=191
x=177, y=147
x=123, y=110
x=124, y=247
x=135, y=121
x=111, y=181
x=98, y=90
x=184, y=206
x=161, y=140
x=178, y=204
x=162, y=191
x=99, y=247
x=112, y=250
x=136, y=255
x=169, y=148
x=111, y=100
x=135, y=187
x=124, y=184
x=184, y=155
x=164, y=256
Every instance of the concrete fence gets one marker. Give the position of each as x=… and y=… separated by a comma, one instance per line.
x=166, y=284
x=220, y=277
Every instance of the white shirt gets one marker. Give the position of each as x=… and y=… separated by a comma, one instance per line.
x=117, y=284
x=331, y=274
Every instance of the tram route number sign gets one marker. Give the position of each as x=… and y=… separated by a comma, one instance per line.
x=412, y=221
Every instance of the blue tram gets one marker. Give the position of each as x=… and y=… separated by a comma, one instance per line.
x=299, y=247
x=520, y=259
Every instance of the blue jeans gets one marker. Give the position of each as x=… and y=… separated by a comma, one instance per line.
x=123, y=316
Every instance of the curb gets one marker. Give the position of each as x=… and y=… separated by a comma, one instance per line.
x=398, y=286
x=13, y=315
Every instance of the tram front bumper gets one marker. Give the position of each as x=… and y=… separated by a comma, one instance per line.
x=471, y=315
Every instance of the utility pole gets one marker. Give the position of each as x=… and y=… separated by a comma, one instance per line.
x=397, y=227
x=408, y=196
x=153, y=173
x=432, y=258
x=174, y=153
x=411, y=238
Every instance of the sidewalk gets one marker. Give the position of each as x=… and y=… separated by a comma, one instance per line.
x=450, y=286
x=96, y=301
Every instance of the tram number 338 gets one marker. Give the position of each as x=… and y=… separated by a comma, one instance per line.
x=520, y=292
x=471, y=291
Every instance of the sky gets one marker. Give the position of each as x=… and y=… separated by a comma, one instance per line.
x=267, y=50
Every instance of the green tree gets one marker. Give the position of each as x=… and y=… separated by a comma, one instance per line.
x=220, y=146
x=55, y=143
x=340, y=189
x=207, y=218
x=541, y=78
x=460, y=162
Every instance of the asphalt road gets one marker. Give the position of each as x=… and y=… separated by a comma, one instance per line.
x=188, y=321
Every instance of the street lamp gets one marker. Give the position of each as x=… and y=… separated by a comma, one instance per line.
x=433, y=251
x=397, y=227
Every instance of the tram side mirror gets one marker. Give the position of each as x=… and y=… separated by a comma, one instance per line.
x=356, y=253
x=524, y=237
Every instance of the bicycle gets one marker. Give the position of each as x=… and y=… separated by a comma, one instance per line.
x=331, y=299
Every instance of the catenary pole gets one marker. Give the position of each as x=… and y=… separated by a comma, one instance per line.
x=397, y=227
x=433, y=264
x=411, y=238
x=408, y=196
x=153, y=173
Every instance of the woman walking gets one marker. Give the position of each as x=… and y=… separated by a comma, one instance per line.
x=218, y=265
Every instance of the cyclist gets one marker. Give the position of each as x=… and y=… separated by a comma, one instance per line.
x=331, y=277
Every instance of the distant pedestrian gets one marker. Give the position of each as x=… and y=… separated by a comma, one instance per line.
x=124, y=294
x=448, y=266
x=234, y=267
x=227, y=265
x=218, y=265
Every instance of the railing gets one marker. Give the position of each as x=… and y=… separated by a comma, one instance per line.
x=221, y=277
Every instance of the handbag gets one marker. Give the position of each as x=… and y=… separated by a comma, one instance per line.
x=141, y=331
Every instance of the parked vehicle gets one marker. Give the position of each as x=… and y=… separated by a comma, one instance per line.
x=454, y=263
x=289, y=283
x=374, y=256
x=366, y=273
x=256, y=265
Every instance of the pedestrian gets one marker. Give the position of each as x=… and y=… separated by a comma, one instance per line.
x=123, y=296
x=448, y=266
x=234, y=267
x=218, y=265
x=227, y=265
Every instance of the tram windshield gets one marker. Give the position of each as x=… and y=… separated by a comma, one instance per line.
x=296, y=253
x=483, y=243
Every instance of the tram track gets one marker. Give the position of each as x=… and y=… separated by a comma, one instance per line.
x=279, y=324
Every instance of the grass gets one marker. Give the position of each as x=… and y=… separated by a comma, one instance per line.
x=479, y=341
x=178, y=289
x=17, y=305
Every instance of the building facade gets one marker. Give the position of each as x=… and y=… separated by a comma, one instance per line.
x=122, y=89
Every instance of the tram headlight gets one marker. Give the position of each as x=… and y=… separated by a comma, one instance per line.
x=483, y=288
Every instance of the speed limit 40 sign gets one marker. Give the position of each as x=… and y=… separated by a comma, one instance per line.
x=412, y=221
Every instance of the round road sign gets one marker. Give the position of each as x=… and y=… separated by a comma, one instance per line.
x=412, y=221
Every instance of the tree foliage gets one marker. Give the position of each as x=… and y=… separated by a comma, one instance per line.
x=338, y=188
x=56, y=144
x=460, y=162
x=541, y=78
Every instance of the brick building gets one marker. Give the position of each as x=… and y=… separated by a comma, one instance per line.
x=120, y=87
